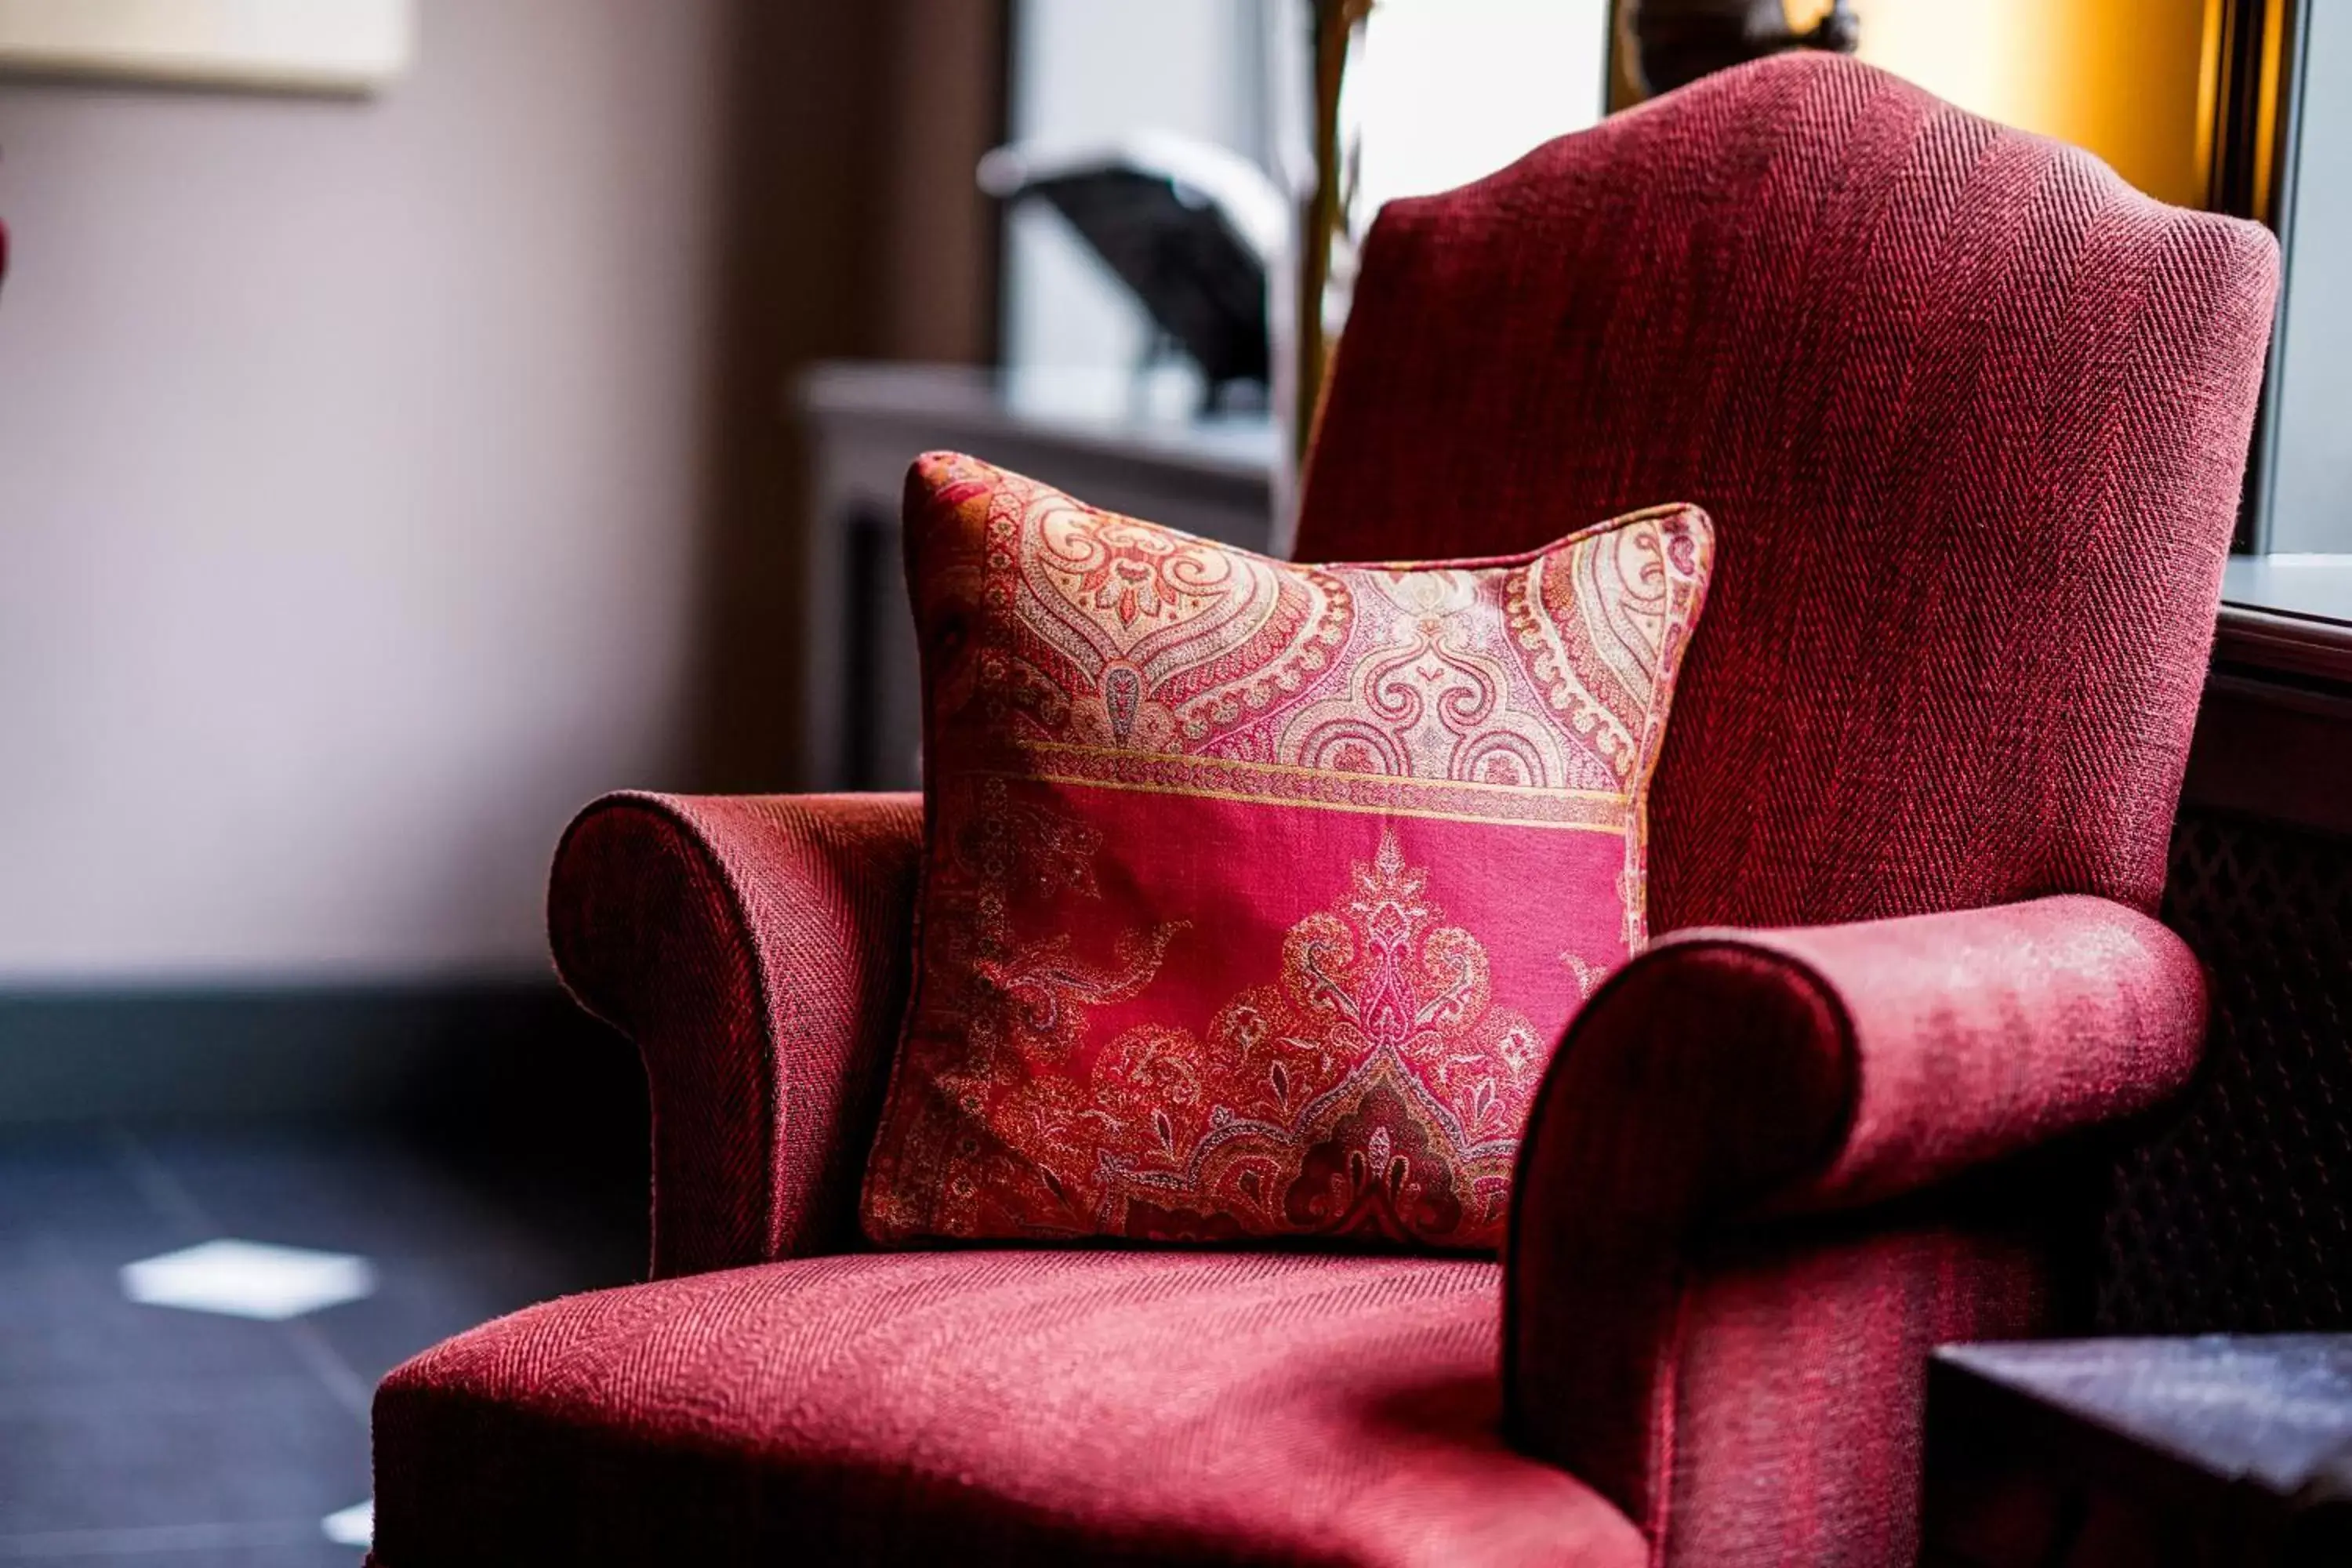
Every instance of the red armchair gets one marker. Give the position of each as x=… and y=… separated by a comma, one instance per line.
x=1971, y=416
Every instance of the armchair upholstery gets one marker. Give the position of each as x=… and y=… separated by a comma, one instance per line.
x=1970, y=415
x=1693, y=1323
x=758, y=952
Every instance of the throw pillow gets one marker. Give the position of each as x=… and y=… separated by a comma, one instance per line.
x=1257, y=894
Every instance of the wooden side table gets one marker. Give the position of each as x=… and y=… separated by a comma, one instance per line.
x=2164, y=1453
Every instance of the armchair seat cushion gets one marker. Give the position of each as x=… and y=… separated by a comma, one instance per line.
x=993, y=1406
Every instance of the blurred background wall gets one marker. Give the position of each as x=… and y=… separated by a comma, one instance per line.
x=349, y=458
x=380, y=478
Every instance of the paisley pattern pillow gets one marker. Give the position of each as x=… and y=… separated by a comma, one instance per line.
x=1255, y=895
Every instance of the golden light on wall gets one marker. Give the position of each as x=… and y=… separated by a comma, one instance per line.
x=2132, y=80
x=2126, y=79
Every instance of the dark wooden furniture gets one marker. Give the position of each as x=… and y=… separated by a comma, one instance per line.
x=2154, y=1453
x=2234, y=1212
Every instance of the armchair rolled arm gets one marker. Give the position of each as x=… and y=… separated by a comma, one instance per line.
x=757, y=949
x=1715, y=1311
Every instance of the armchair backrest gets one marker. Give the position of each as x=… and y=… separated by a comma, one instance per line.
x=1970, y=415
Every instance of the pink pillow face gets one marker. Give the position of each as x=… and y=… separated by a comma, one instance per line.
x=1257, y=894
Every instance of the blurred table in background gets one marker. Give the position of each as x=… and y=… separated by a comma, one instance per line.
x=1082, y=433
x=2140, y=1453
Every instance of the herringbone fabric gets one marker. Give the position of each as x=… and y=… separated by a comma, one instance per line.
x=758, y=951
x=984, y=1408
x=1678, y=1311
x=1969, y=413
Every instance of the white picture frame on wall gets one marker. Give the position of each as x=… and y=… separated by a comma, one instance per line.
x=284, y=46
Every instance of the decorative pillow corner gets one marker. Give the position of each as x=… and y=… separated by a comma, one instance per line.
x=1255, y=895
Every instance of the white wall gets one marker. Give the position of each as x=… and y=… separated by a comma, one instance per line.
x=1448, y=89
x=348, y=482
x=2311, y=499
x=1087, y=68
